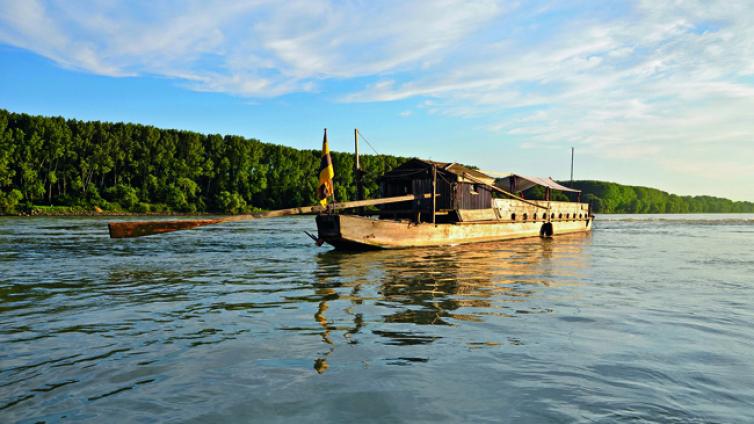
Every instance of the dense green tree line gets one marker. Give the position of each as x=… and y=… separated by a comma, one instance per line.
x=118, y=166
x=115, y=166
x=607, y=197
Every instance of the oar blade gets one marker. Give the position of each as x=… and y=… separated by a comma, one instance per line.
x=127, y=229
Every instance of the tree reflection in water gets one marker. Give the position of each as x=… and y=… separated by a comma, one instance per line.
x=439, y=287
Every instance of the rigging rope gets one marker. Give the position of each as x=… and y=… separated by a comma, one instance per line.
x=361, y=134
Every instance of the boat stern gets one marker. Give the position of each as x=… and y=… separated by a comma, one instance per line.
x=330, y=231
x=328, y=227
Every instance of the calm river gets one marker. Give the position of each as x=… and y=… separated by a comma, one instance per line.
x=648, y=319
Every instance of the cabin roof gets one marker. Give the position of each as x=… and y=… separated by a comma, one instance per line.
x=461, y=172
x=518, y=183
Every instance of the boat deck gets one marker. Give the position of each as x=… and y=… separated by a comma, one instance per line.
x=356, y=232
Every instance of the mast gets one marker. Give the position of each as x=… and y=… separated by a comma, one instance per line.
x=572, y=149
x=357, y=167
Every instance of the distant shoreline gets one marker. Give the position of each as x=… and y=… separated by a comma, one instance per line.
x=48, y=211
x=143, y=169
x=110, y=214
x=83, y=211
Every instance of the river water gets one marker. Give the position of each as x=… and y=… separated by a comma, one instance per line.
x=647, y=319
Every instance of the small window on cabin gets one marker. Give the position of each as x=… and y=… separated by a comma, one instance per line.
x=560, y=216
x=568, y=216
x=526, y=216
x=552, y=216
x=535, y=217
x=474, y=189
x=513, y=217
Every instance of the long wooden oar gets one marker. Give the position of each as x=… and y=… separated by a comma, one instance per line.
x=125, y=229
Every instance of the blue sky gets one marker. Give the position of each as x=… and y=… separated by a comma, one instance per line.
x=649, y=93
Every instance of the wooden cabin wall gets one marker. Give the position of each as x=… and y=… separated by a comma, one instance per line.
x=419, y=184
x=395, y=187
x=444, y=201
x=445, y=190
x=480, y=198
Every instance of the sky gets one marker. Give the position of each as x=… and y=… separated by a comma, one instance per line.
x=653, y=93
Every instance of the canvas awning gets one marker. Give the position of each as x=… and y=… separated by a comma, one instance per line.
x=516, y=183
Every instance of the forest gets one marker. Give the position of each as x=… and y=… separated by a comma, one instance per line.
x=608, y=197
x=81, y=165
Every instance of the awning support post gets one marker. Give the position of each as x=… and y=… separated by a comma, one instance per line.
x=434, y=193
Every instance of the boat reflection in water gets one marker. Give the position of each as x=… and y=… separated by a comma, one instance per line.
x=416, y=297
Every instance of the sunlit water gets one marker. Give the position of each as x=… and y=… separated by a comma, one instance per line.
x=650, y=318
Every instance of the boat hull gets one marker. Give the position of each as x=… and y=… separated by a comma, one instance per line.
x=358, y=233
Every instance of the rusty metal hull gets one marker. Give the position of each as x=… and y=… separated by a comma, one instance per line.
x=358, y=233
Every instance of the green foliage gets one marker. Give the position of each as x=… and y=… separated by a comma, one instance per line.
x=231, y=203
x=145, y=169
x=182, y=195
x=143, y=208
x=607, y=197
x=9, y=201
x=125, y=195
x=176, y=198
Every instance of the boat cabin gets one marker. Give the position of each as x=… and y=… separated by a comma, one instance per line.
x=457, y=187
x=464, y=194
x=437, y=203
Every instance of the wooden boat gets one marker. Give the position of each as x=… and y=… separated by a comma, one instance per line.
x=424, y=203
x=463, y=210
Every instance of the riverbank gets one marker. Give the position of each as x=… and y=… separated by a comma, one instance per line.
x=74, y=211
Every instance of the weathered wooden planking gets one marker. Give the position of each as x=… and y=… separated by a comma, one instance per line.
x=471, y=215
x=357, y=232
x=507, y=209
x=145, y=228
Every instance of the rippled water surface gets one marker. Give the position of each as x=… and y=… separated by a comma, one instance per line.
x=648, y=319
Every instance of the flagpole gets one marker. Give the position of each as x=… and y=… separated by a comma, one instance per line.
x=333, y=184
x=326, y=175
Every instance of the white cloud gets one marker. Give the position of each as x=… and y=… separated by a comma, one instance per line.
x=646, y=85
x=27, y=24
x=634, y=81
x=252, y=48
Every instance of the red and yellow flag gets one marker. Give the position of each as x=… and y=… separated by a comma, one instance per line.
x=326, y=173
